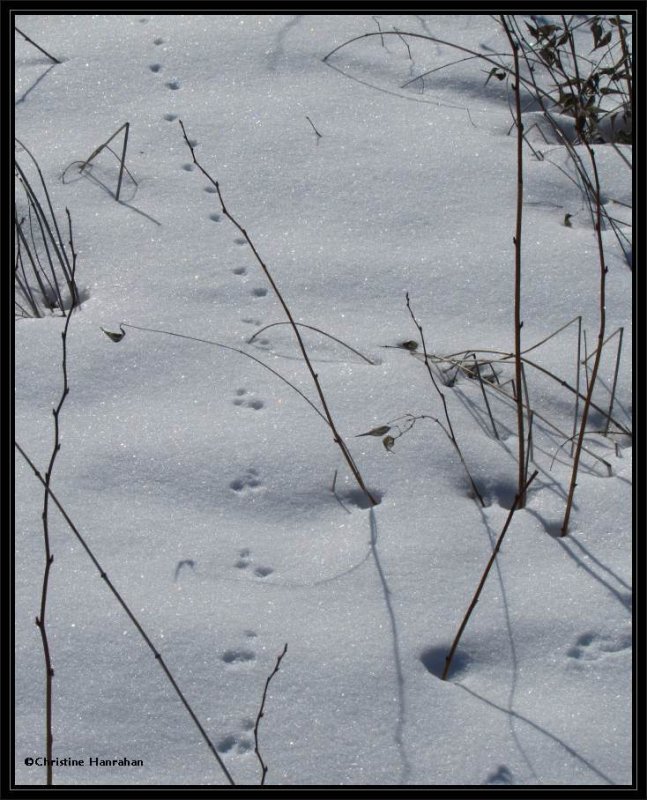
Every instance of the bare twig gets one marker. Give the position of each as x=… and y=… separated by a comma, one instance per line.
x=598, y=354
x=225, y=347
x=615, y=382
x=261, y=713
x=479, y=589
x=450, y=429
x=122, y=161
x=577, y=381
x=41, y=621
x=37, y=46
x=485, y=398
x=126, y=608
x=336, y=435
x=313, y=128
x=517, y=269
x=312, y=328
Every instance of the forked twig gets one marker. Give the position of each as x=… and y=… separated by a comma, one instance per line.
x=122, y=161
x=261, y=713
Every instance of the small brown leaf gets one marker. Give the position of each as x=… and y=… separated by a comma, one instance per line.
x=115, y=337
x=376, y=431
x=388, y=443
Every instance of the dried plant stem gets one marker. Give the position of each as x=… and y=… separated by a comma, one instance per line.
x=41, y=619
x=598, y=354
x=312, y=328
x=479, y=589
x=488, y=59
x=126, y=608
x=336, y=435
x=517, y=269
x=485, y=398
x=122, y=161
x=51, y=235
x=627, y=59
x=314, y=128
x=450, y=430
x=615, y=382
x=577, y=382
x=233, y=350
x=37, y=46
x=261, y=714
x=450, y=359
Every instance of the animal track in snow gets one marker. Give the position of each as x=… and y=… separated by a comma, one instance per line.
x=238, y=655
x=155, y=67
x=248, y=483
x=245, y=561
x=240, y=241
x=501, y=777
x=158, y=41
x=173, y=84
x=170, y=117
x=249, y=402
x=252, y=321
x=243, y=744
x=215, y=217
x=260, y=291
x=210, y=189
x=592, y=646
x=240, y=271
x=188, y=167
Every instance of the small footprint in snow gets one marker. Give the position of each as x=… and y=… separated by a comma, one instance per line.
x=249, y=482
x=210, y=189
x=260, y=291
x=248, y=402
x=240, y=271
x=173, y=84
x=215, y=217
x=241, y=744
x=592, y=646
x=252, y=321
x=188, y=167
x=155, y=67
x=240, y=241
x=170, y=117
x=158, y=41
x=238, y=655
x=245, y=560
x=502, y=776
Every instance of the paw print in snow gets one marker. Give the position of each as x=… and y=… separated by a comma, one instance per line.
x=243, y=398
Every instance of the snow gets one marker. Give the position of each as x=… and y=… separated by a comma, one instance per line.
x=202, y=482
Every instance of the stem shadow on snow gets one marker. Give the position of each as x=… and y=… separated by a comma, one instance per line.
x=397, y=658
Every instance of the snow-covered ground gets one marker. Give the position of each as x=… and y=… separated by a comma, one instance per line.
x=203, y=483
